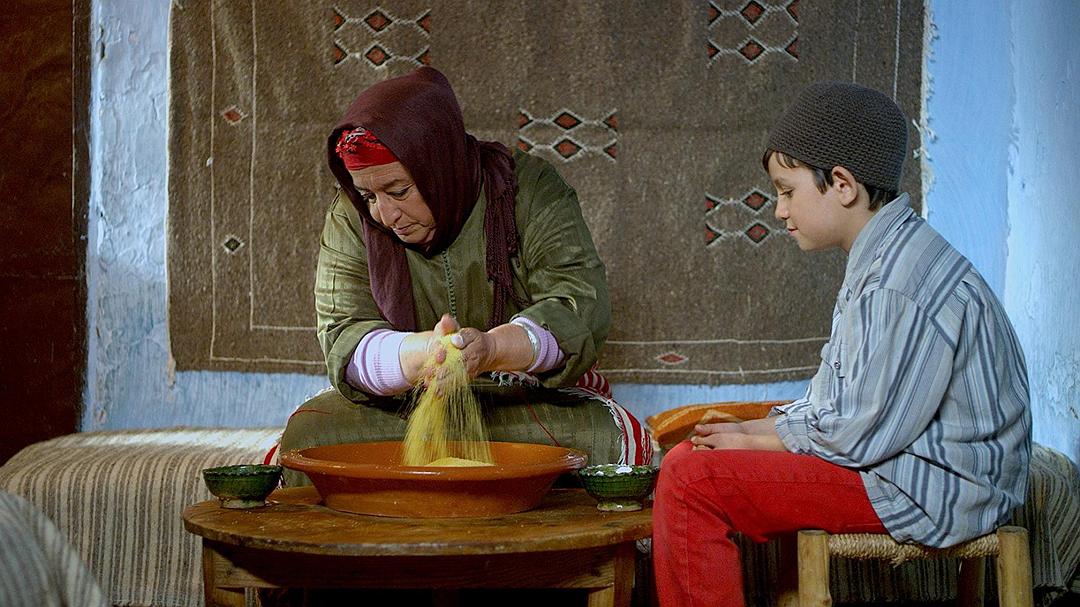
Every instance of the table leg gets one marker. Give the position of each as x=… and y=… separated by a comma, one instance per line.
x=618, y=594
x=215, y=596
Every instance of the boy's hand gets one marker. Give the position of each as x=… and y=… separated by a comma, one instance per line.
x=723, y=435
x=720, y=440
x=758, y=434
x=720, y=428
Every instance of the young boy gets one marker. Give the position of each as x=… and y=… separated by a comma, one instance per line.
x=917, y=420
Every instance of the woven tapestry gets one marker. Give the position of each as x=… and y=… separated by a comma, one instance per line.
x=655, y=112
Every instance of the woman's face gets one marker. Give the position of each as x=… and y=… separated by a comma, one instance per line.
x=395, y=202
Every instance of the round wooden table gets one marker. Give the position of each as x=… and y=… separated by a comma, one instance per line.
x=295, y=542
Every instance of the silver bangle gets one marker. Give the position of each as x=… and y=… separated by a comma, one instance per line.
x=534, y=340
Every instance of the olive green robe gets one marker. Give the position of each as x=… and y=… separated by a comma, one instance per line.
x=557, y=268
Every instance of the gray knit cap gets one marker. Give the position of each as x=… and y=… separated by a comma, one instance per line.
x=846, y=124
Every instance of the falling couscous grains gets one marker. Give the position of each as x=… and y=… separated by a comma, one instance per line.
x=446, y=426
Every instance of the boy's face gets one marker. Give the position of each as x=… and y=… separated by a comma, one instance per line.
x=816, y=220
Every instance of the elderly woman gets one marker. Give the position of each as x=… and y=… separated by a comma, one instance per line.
x=435, y=230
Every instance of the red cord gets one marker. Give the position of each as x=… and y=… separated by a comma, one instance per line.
x=541, y=424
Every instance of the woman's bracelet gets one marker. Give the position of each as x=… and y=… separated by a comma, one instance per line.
x=534, y=340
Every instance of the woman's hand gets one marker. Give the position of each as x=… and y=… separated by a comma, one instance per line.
x=479, y=349
x=418, y=347
x=503, y=348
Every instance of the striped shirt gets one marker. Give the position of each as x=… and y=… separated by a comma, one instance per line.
x=922, y=387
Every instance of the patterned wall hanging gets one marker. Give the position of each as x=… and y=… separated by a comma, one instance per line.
x=654, y=111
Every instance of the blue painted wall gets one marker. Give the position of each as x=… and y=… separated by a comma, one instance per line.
x=969, y=101
x=1041, y=292
x=1001, y=149
x=999, y=163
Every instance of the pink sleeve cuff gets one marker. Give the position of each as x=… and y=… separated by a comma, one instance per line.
x=375, y=367
x=550, y=356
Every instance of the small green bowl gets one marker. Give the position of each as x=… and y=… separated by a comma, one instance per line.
x=242, y=486
x=618, y=487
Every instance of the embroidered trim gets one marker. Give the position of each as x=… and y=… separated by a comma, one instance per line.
x=512, y=378
x=449, y=284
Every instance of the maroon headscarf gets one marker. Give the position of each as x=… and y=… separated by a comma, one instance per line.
x=418, y=118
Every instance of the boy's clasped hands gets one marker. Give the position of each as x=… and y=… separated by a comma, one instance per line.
x=758, y=434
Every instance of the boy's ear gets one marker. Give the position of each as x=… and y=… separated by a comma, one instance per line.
x=845, y=185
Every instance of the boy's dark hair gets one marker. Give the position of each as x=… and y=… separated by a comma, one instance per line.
x=823, y=178
x=844, y=124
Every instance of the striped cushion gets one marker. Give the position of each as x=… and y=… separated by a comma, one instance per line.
x=1051, y=515
x=117, y=497
x=37, y=565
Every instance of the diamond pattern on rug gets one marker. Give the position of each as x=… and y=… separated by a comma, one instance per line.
x=378, y=38
x=732, y=227
x=566, y=135
x=255, y=87
x=752, y=30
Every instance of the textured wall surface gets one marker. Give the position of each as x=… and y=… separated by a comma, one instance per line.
x=1001, y=108
x=1003, y=136
x=969, y=110
x=1041, y=292
x=130, y=383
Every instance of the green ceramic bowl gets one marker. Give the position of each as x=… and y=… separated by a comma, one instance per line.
x=618, y=487
x=242, y=486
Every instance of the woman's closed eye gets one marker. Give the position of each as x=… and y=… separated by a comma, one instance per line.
x=400, y=194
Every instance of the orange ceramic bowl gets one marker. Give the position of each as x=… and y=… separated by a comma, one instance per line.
x=367, y=478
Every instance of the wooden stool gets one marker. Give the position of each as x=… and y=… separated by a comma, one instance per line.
x=1008, y=544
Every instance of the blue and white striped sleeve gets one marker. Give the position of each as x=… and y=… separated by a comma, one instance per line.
x=794, y=405
x=892, y=366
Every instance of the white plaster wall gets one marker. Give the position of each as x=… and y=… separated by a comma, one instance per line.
x=646, y=399
x=1041, y=292
x=1001, y=145
x=129, y=379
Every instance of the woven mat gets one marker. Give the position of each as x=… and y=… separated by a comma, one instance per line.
x=655, y=112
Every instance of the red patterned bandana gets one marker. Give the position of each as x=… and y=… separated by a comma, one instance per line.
x=359, y=148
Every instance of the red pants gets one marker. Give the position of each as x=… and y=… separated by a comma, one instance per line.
x=704, y=497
